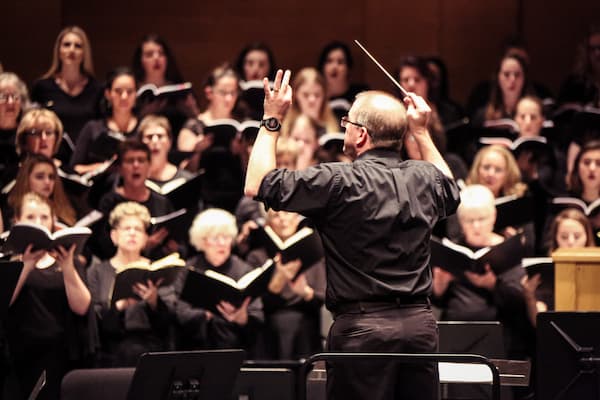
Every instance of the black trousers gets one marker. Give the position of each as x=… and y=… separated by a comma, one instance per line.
x=397, y=329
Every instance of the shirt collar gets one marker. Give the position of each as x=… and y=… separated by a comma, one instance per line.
x=385, y=154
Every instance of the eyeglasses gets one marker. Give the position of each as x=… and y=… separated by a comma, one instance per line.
x=38, y=133
x=133, y=160
x=345, y=121
x=151, y=136
x=128, y=228
x=6, y=97
x=219, y=239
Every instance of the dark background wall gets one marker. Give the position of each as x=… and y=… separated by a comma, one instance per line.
x=467, y=34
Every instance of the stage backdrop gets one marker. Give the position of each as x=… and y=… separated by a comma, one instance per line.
x=467, y=34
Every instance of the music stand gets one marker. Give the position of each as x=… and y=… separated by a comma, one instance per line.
x=190, y=375
x=568, y=355
x=472, y=337
x=484, y=338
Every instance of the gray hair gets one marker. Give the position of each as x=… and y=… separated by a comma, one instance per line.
x=213, y=221
x=10, y=78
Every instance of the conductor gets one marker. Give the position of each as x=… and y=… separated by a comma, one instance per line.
x=375, y=216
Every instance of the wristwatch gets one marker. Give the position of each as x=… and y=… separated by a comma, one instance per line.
x=272, y=124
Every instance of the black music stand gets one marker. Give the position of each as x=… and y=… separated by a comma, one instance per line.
x=472, y=337
x=568, y=355
x=190, y=375
x=484, y=338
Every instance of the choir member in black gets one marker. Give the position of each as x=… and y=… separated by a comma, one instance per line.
x=134, y=165
x=254, y=62
x=132, y=326
x=47, y=321
x=14, y=99
x=69, y=88
x=310, y=98
x=292, y=307
x=487, y=296
x=39, y=174
x=40, y=132
x=510, y=85
x=154, y=63
x=582, y=87
x=155, y=131
x=375, y=216
x=212, y=234
x=414, y=75
x=569, y=229
x=249, y=212
x=94, y=145
x=222, y=186
x=335, y=64
x=449, y=110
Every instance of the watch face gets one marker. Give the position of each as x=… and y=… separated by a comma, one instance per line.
x=271, y=123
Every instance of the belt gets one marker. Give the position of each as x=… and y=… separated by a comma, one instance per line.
x=364, y=307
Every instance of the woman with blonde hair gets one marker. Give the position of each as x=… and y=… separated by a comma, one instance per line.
x=495, y=167
x=39, y=132
x=131, y=326
x=48, y=317
x=310, y=98
x=68, y=87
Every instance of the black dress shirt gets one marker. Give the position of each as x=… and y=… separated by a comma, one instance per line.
x=375, y=216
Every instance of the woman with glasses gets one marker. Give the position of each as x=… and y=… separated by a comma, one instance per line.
x=214, y=143
x=155, y=131
x=40, y=132
x=212, y=234
x=221, y=90
x=136, y=325
x=485, y=296
x=99, y=138
x=14, y=98
x=68, y=87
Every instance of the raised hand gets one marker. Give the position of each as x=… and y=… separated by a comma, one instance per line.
x=278, y=100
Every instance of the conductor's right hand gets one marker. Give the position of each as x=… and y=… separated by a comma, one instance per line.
x=417, y=113
x=278, y=100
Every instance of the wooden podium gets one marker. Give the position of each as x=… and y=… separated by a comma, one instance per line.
x=577, y=279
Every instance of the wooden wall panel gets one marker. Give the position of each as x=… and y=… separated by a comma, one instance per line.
x=553, y=31
x=466, y=33
x=27, y=32
x=470, y=39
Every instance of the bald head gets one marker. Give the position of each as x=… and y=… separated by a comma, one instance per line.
x=383, y=115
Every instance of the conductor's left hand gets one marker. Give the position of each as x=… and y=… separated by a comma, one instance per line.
x=278, y=100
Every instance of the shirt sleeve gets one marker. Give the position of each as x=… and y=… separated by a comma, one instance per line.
x=307, y=192
x=448, y=194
